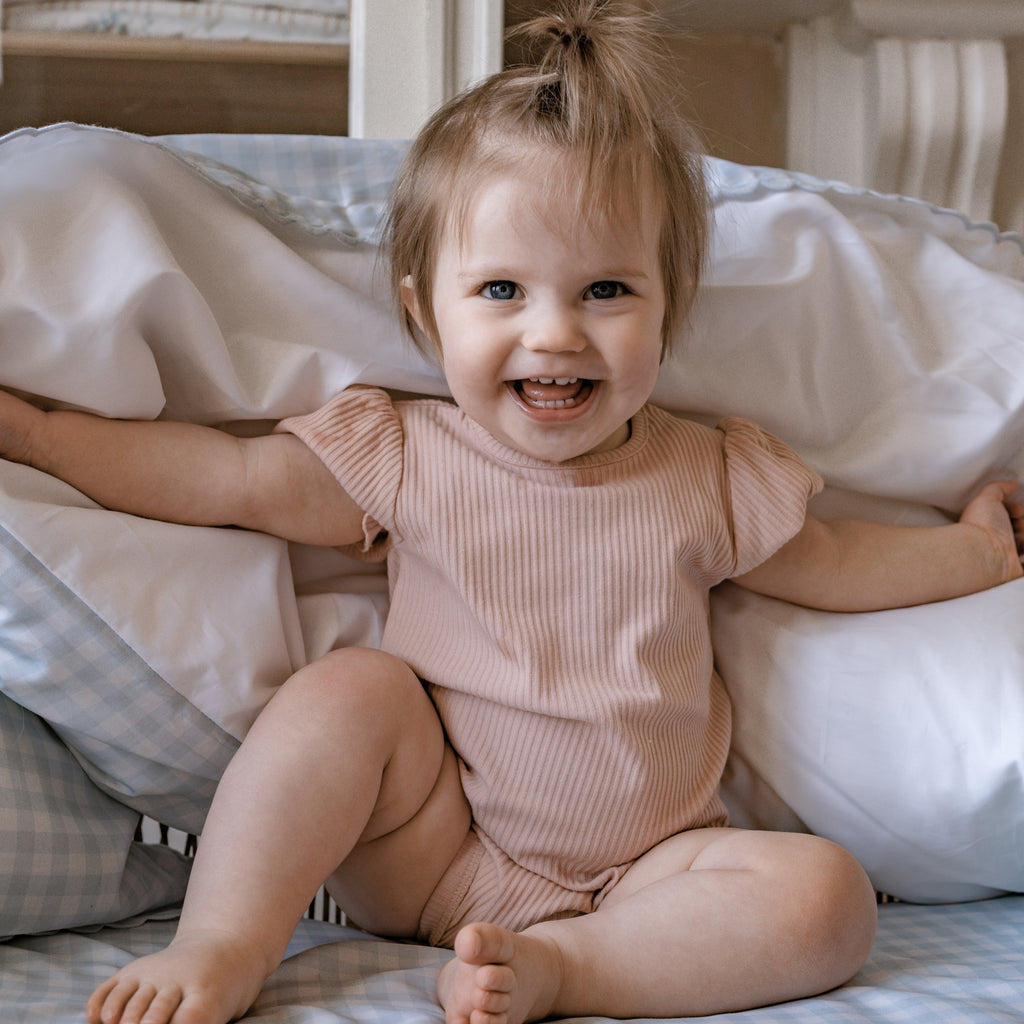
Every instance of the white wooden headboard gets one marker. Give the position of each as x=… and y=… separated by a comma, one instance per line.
x=918, y=97
x=406, y=58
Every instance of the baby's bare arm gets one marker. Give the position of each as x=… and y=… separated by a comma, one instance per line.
x=851, y=565
x=184, y=473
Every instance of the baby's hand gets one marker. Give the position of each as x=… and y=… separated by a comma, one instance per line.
x=993, y=510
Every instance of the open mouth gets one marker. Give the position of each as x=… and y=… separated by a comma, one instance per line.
x=552, y=393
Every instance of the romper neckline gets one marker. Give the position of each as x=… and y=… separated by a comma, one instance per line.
x=571, y=468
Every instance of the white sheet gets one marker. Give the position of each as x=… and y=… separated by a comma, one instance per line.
x=929, y=965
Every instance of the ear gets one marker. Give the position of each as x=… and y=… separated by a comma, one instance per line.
x=415, y=312
x=410, y=301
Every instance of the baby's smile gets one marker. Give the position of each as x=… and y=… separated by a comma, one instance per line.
x=552, y=392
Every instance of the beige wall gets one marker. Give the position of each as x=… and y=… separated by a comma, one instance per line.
x=729, y=83
x=1009, y=202
x=731, y=86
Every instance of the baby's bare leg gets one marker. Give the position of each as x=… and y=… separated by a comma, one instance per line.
x=348, y=753
x=707, y=922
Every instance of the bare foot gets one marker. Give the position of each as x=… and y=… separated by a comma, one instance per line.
x=499, y=977
x=209, y=978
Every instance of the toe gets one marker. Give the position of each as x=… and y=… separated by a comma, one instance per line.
x=137, y=1008
x=163, y=1007
x=485, y=944
x=107, y=1004
x=495, y=978
x=491, y=1002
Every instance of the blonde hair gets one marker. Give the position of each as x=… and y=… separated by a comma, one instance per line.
x=590, y=99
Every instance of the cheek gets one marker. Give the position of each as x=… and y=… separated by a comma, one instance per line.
x=641, y=354
x=466, y=370
x=470, y=349
x=638, y=372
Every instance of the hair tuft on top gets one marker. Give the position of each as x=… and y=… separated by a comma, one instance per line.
x=598, y=61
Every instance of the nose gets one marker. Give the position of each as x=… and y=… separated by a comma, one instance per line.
x=554, y=327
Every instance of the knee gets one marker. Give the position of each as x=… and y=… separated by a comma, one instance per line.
x=835, y=911
x=358, y=680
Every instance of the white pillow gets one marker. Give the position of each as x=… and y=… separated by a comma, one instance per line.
x=898, y=734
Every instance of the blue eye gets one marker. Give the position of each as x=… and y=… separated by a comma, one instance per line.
x=501, y=290
x=606, y=290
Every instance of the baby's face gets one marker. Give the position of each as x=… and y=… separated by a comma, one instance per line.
x=550, y=331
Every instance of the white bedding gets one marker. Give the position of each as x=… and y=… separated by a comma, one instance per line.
x=880, y=337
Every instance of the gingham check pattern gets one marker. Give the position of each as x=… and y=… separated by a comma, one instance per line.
x=324, y=184
x=930, y=965
x=84, y=720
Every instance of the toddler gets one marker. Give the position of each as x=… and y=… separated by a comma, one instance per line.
x=528, y=771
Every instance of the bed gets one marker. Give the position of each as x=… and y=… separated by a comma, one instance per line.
x=234, y=280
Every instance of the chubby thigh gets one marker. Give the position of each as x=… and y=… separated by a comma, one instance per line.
x=418, y=826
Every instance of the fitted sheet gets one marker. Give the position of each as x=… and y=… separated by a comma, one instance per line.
x=930, y=965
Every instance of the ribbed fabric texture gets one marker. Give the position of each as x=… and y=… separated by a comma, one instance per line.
x=559, y=613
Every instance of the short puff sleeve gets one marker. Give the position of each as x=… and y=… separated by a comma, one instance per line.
x=769, y=486
x=359, y=437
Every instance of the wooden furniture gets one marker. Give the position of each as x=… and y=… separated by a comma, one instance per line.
x=165, y=86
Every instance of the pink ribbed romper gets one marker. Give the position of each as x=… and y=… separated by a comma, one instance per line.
x=558, y=614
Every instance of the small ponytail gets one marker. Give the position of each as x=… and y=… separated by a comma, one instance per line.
x=592, y=77
x=587, y=97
